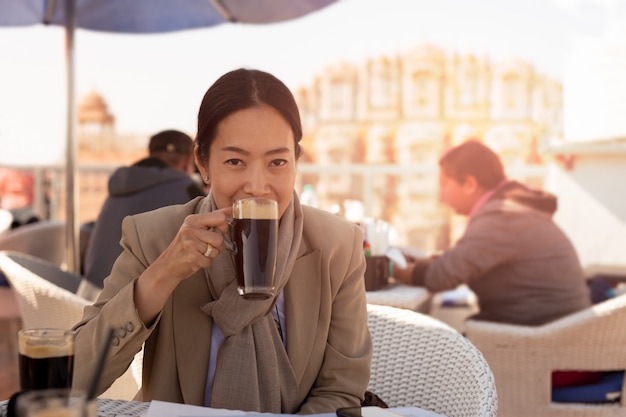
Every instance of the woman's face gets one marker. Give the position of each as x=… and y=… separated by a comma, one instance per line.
x=252, y=155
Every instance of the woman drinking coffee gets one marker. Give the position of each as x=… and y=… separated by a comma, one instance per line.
x=305, y=347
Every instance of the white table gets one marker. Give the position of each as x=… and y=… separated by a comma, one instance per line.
x=108, y=408
x=401, y=296
x=119, y=408
x=166, y=409
x=122, y=408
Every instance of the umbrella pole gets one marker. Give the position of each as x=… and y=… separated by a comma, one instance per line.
x=71, y=189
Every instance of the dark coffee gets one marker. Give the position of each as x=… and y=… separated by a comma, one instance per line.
x=255, y=258
x=48, y=372
x=46, y=358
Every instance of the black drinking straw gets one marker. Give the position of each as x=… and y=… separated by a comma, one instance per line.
x=95, y=377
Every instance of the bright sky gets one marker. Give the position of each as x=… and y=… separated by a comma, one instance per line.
x=154, y=82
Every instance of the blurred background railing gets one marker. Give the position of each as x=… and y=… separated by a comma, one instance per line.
x=374, y=191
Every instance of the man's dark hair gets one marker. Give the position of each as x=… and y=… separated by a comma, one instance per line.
x=171, y=141
x=172, y=147
x=475, y=159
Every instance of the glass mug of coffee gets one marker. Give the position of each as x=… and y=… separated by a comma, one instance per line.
x=255, y=238
x=55, y=403
x=46, y=358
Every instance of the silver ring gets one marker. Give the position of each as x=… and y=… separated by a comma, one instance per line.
x=208, y=251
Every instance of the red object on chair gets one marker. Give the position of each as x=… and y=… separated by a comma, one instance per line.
x=573, y=378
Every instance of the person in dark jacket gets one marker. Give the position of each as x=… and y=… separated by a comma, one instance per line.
x=521, y=266
x=161, y=179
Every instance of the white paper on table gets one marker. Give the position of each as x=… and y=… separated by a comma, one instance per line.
x=396, y=255
x=461, y=295
x=167, y=409
x=414, y=252
x=415, y=412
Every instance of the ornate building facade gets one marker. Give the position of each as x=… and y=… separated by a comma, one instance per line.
x=405, y=111
x=96, y=123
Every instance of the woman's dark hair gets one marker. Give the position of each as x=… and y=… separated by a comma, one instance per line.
x=242, y=89
x=475, y=159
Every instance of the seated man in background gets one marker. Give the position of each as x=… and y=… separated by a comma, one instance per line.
x=161, y=179
x=521, y=266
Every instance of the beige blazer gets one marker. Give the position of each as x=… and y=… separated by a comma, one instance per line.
x=331, y=363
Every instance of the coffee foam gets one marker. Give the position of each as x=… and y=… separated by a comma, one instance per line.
x=251, y=209
x=45, y=351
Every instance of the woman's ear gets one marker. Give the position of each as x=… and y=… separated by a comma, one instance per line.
x=199, y=165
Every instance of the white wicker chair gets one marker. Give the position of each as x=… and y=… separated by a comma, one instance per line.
x=522, y=358
x=44, y=303
x=44, y=239
x=420, y=361
x=44, y=293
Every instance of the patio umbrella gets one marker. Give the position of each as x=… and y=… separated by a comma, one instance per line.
x=152, y=16
x=134, y=16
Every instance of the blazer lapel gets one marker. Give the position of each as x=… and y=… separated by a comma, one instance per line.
x=192, y=336
x=303, y=289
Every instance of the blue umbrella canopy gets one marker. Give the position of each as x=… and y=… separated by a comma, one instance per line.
x=134, y=16
x=154, y=16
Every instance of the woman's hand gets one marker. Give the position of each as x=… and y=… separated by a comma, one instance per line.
x=186, y=254
x=182, y=258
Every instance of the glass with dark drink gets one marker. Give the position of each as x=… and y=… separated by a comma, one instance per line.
x=46, y=358
x=255, y=235
x=55, y=402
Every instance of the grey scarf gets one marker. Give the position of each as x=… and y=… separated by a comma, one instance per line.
x=253, y=372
